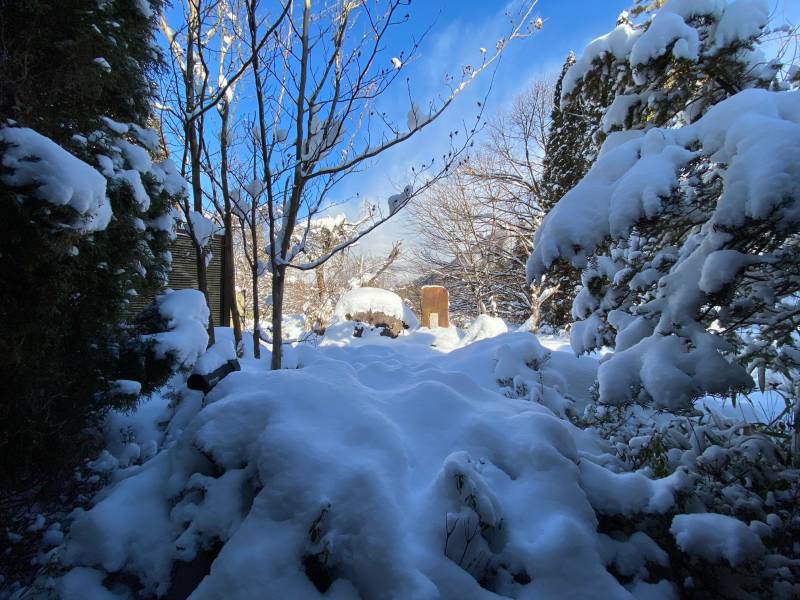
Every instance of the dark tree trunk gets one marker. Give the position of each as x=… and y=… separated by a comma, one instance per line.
x=278, y=281
x=254, y=272
x=192, y=134
x=229, y=306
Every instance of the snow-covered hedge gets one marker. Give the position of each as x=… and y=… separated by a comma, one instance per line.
x=312, y=482
x=185, y=319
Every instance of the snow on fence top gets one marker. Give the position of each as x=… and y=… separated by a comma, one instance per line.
x=61, y=178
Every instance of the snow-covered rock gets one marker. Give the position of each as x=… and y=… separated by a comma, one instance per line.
x=368, y=299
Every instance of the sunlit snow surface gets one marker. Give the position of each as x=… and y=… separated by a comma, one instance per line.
x=402, y=466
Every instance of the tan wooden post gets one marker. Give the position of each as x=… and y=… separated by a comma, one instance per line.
x=435, y=306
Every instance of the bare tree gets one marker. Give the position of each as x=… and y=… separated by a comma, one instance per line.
x=319, y=121
x=207, y=29
x=477, y=225
x=314, y=293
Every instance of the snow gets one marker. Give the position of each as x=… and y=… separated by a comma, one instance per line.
x=694, y=8
x=61, y=178
x=484, y=326
x=403, y=462
x=216, y=356
x=397, y=201
x=394, y=470
x=721, y=267
x=186, y=314
x=137, y=156
x=368, y=299
x=115, y=126
x=103, y=64
x=82, y=583
x=629, y=493
x=665, y=30
x=203, y=228
x=618, y=43
x=167, y=174
x=126, y=387
x=431, y=466
x=741, y=20
x=711, y=536
x=134, y=180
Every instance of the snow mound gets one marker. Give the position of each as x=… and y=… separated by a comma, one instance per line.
x=186, y=314
x=60, y=178
x=368, y=299
x=558, y=380
x=713, y=537
x=484, y=326
x=367, y=472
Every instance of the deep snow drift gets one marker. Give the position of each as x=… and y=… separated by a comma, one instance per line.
x=411, y=468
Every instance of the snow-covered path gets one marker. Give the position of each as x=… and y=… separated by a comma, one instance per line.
x=378, y=468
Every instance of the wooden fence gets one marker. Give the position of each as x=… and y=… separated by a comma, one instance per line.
x=184, y=275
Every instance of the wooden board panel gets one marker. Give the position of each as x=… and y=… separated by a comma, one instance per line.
x=435, y=306
x=184, y=275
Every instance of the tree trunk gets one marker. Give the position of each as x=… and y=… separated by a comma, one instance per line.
x=197, y=192
x=278, y=281
x=322, y=293
x=229, y=306
x=191, y=131
x=254, y=282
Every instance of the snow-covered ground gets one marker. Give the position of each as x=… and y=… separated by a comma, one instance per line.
x=434, y=465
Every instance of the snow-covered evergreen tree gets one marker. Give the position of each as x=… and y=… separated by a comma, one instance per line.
x=565, y=163
x=85, y=217
x=687, y=222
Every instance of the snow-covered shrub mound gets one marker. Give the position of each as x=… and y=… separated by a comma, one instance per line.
x=709, y=536
x=558, y=380
x=327, y=480
x=484, y=326
x=375, y=307
x=184, y=314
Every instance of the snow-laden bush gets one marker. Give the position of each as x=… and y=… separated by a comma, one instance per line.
x=85, y=223
x=394, y=470
x=687, y=233
x=686, y=230
x=338, y=479
x=484, y=326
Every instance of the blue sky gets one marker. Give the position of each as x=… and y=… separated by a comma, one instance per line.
x=461, y=27
x=458, y=28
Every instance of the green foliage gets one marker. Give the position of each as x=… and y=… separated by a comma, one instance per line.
x=566, y=161
x=63, y=338
x=735, y=470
